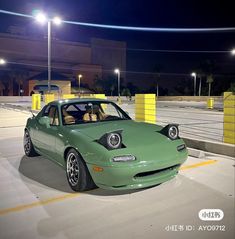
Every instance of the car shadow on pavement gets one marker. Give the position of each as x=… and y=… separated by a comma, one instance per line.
x=51, y=175
x=45, y=172
x=104, y=192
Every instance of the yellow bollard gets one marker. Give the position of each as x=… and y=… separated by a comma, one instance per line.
x=229, y=117
x=68, y=96
x=87, y=96
x=100, y=96
x=36, y=101
x=210, y=103
x=145, y=108
x=49, y=98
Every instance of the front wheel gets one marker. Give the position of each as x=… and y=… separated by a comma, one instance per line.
x=28, y=145
x=77, y=173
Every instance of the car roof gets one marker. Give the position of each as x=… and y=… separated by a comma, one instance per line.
x=77, y=100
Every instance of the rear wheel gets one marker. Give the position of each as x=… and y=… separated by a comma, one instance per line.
x=28, y=145
x=77, y=173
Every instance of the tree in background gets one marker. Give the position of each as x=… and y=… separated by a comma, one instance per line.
x=157, y=75
x=112, y=88
x=209, y=80
x=206, y=70
x=126, y=92
x=153, y=89
x=106, y=85
x=133, y=88
x=200, y=74
x=19, y=75
x=225, y=83
x=98, y=88
x=184, y=87
x=232, y=87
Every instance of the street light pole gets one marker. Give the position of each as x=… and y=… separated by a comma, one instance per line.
x=194, y=75
x=49, y=55
x=119, y=84
x=117, y=71
x=41, y=18
x=200, y=86
x=79, y=83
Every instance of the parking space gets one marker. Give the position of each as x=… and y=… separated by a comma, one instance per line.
x=37, y=202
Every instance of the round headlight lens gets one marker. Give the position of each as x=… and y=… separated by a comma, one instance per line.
x=173, y=132
x=114, y=140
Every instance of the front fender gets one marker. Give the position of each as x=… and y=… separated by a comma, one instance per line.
x=91, y=151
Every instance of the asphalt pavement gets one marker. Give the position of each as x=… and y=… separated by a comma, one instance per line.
x=37, y=202
x=193, y=118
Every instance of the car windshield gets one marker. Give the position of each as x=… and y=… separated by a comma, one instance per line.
x=90, y=112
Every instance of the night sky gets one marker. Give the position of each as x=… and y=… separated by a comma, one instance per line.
x=146, y=13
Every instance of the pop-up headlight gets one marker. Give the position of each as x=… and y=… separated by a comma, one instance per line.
x=171, y=131
x=112, y=140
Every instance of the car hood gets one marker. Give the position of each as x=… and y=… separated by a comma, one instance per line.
x=132, y=132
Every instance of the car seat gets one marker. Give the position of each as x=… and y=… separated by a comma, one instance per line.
x=68, y=119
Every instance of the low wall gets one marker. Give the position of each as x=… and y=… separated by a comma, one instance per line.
x=189, y=98
x=13, y=99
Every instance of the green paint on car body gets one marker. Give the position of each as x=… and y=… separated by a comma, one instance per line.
x=157, y=157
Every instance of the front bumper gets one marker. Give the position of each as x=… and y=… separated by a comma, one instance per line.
x=143, y=183
x=135, y=176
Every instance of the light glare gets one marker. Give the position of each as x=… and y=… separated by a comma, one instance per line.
x=41, y=18
x=193, y=74
x=116, y=71
x=2, y=62
x=57, y=20
x=233, y=52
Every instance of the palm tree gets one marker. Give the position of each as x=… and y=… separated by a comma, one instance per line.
x=112, y=88
x=157, y=74
x=206, y=69
x=209, y=80
x=200, y=75
x=2, y=88
x=19, y=75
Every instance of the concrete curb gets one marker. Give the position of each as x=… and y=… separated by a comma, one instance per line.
x=196, y=153
x=210, y=146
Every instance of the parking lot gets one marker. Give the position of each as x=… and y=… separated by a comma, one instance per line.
x=194, y=119
x=37, y=202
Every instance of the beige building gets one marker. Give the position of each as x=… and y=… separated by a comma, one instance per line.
x=27, y=57
x=60, y=84
x=58, y=87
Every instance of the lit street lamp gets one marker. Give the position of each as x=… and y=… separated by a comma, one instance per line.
x=233, y=51
x=79, y=83
x=117, y=71
x=2, y=61
x=194, y=75
x=42, y=18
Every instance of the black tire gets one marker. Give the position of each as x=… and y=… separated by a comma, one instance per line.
x=28, y=145
x=77, y=173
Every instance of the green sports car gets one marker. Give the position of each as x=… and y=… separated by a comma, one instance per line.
x=98, y=144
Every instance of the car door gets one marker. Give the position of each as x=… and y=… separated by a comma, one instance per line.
x=47, y=136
